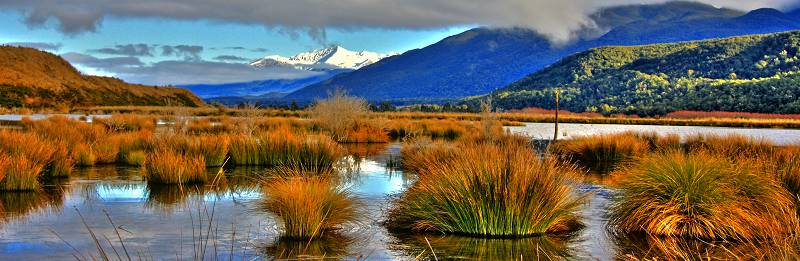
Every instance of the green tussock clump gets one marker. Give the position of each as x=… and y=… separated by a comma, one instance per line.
x=487, y=190
x=308, y=207
x=602, y=153
x=164, y=166
x=702, y=196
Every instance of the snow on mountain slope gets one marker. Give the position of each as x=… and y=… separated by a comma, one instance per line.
x=330, y=58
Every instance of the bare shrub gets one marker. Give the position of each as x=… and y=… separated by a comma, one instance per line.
x=339, y=113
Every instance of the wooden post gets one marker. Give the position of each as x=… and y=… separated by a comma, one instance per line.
x=555, y=135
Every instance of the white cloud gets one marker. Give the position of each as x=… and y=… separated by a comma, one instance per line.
x=554, y=18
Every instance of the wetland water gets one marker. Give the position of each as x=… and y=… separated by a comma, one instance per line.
x=568, y=130
x=182, y=223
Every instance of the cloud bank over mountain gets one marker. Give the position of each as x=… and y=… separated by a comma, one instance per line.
x=556, y=19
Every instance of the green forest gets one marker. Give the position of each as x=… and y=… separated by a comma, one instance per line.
x=757, y=73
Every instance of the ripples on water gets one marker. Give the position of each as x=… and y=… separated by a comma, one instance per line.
x=166, y=222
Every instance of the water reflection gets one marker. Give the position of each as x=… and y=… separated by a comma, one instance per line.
x=457, y=247
x=17, y=205
x=331, y=246
x=657, y=248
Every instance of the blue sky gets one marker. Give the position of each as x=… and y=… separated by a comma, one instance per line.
x=216, y=38
x=164, y=42
x=217, y=35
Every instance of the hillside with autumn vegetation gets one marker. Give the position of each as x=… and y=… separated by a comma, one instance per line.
x=33, y=78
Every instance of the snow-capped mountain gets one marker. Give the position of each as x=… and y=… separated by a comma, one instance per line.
x=330, y=58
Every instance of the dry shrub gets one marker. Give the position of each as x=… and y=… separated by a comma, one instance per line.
x=339, y=113
x=487, y=190
x=703, y=196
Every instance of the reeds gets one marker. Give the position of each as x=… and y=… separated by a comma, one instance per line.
x=602, y=153
x=165, y=166
x=702, y=196
x=308, y=207
x=486, y=190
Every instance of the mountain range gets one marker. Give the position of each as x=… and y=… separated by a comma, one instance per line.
x=326, y=62
x=483, y=60
x=34, y=78
x=754, y=73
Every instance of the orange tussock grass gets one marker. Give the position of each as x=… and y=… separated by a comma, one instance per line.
x=4, y=161
x=486, y=190
x=365, y=133
x=786, y=168
x=308, y=207
x=283, y=148
x=106, y=150
x=731, y=146
x=165, y=166
x=83, y=155
x=433, y=128
x=21, y=174
x=703, y=196
x=602, y=153
x=127, y=122
x=728, y=115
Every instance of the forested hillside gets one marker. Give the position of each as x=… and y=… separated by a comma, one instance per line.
x=33, y=78
x=757, y=73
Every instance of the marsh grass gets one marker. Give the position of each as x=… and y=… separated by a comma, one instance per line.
x=21, y=174
x=309, y=207
x=365, y=133
x=165, y=166
x=785, y=165
x=603, y=153
x=83, y=155
x=731, y=146
x=285, y=149
x=486, y=190
x=703, y=196
x=127, y=122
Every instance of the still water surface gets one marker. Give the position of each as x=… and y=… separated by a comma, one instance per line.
x=174, y=223
x=570, y=130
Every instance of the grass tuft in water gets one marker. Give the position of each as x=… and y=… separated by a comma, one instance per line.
x=486, y=190
x=308, y=207
x=703, y=196
x=165, y=166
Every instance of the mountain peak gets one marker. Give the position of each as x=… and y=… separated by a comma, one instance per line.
x=329, y=58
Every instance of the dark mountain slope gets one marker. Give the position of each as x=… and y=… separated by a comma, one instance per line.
x=756, y=73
